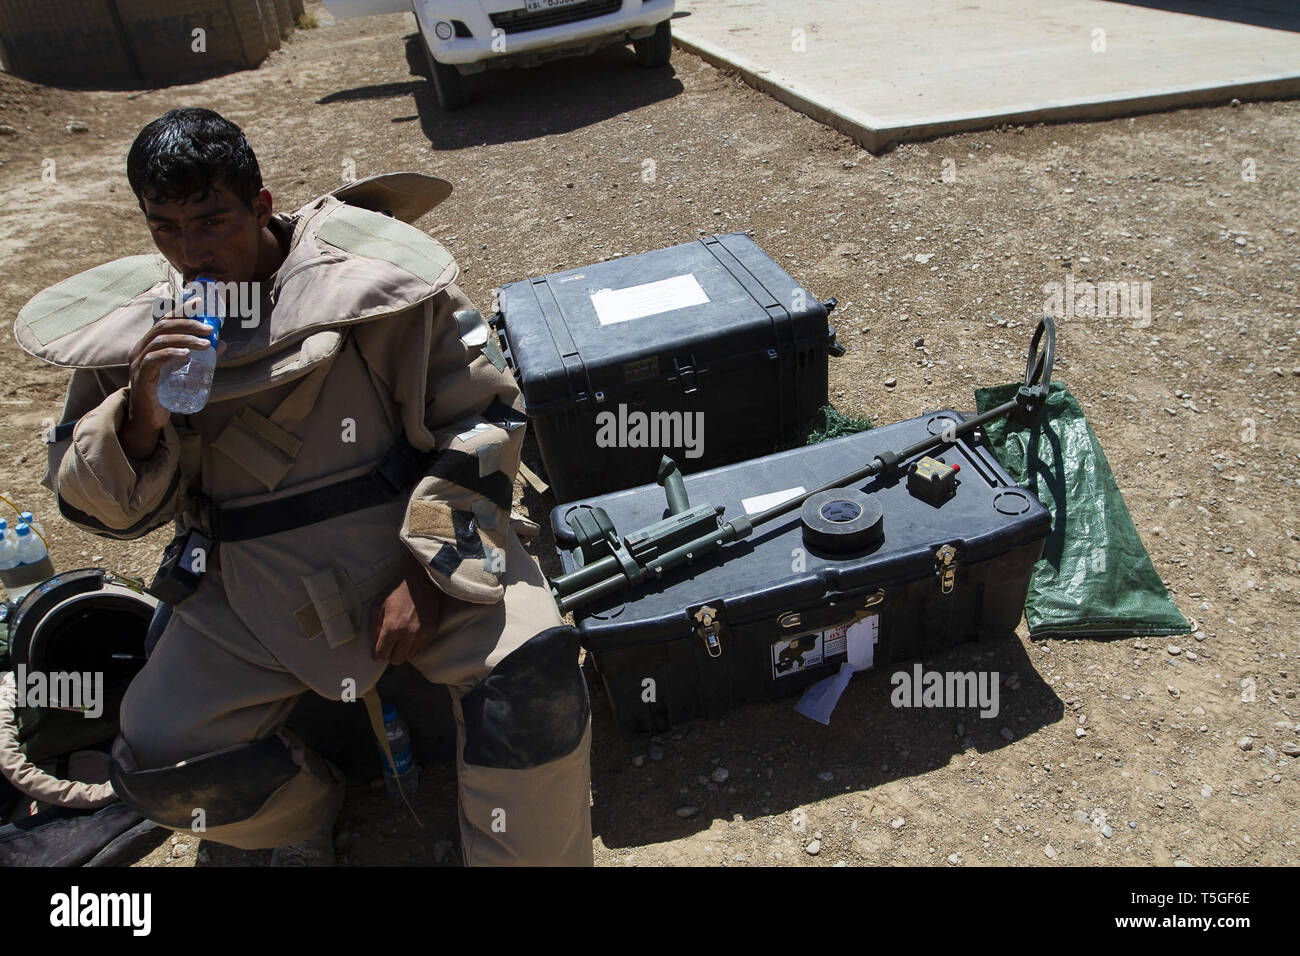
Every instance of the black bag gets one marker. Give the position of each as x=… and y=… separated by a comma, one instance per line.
x=58, y=837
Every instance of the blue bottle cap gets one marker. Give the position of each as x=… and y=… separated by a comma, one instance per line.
x=193, y=291
x=390, y=712
x=23, y=529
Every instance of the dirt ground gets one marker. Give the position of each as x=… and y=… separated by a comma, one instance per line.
x=1136, y=751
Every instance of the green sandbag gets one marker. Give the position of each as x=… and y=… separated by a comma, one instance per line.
x=1095, y=579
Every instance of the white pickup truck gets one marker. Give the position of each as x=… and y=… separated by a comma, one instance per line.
x=461, y=37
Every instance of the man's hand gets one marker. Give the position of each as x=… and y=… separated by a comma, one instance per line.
x=168, y=340
x=406, y=620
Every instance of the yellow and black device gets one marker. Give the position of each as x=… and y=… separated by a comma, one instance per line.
x=932, y=480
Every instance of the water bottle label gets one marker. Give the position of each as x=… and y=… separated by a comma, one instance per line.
x=203, y=302
x=403, y=761
x=214, y=323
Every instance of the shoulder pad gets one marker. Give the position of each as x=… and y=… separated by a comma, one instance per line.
x=374, y=235
x=53, y=325
x=408, y=196
x=93, y=319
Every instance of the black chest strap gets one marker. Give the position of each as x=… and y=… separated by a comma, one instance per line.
x=395, y=474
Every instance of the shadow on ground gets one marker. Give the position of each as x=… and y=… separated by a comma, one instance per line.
x=516, y=104
x=778, y=761
x=1274, y=14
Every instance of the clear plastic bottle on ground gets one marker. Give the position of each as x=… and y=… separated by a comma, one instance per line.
x=399, y=742
x=25, y=563
x=31, y=548
x=27, y=517
x=8, y=547
x=183, y=387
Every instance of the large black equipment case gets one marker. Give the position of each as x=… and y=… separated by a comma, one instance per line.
x=944, y=573
x=712, y=326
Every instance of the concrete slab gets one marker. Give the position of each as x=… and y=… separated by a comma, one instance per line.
x=890, y=71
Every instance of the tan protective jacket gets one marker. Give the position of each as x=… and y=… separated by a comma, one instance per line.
x=364, y=339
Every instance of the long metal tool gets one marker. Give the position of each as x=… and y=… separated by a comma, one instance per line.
x=614, y=563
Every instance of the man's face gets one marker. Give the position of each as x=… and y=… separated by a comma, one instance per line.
x=217, y=236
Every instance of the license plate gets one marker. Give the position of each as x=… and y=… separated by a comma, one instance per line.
x=537, y=6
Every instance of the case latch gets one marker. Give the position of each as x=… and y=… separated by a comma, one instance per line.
x=946, y=560
x=707, y=626
x=686, y=376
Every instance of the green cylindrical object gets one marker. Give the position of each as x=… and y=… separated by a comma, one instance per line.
x=585, y=575
x=670, y=479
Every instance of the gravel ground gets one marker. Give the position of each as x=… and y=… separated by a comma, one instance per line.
x=1105, y=752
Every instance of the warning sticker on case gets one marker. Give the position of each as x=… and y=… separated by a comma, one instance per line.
x=857, y=639
x=793, y=655
x=836, y=640
x=651, y=298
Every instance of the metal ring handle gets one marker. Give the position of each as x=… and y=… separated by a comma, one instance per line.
x=1038, y=365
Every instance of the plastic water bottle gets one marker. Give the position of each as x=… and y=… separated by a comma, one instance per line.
x=24, y=561
x=184, y=386
x=28, y=519
x=8, y=547
x=399, y=742
x=30, y=547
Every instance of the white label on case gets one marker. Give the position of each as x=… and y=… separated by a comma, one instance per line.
x=759, y=503
x=651, y=298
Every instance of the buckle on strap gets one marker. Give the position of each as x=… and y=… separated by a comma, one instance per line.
x=207, y=512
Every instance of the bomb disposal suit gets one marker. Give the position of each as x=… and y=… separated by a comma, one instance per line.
x=366, y=415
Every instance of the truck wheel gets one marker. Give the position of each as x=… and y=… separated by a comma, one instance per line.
x=451, y=88
x=655, y=49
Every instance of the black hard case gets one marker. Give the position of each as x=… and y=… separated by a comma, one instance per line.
x=753, y=359
x=997, y=529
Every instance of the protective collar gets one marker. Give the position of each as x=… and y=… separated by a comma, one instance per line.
x=346, y=264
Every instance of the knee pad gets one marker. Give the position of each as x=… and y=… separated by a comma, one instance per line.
x=229, y=786
x=532, y=708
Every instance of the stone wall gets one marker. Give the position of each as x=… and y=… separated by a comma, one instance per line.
x=134, y=43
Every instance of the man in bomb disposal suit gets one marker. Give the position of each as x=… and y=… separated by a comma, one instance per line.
x=353, y=468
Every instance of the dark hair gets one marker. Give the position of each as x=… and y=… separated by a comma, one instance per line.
x=186, y=152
